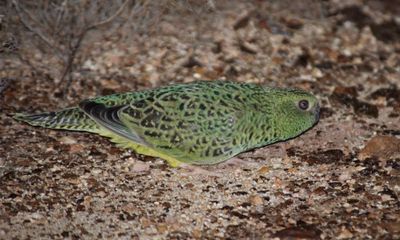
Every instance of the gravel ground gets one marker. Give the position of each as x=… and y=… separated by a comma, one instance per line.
x=340, y=180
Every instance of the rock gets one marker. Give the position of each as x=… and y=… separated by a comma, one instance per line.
x=162, y=227
x=391, y=96
x=347, y=96
x=76, y=148
x=249, y=47
x=293, y=23
x=242, y=21
x=308, y=232
x=381, y=147
x=344, y=234
x=263, y=170
x=393, y=226
x=325, y=157
x=344, y=95
x=140, y=166
x=387, y=31
x=256, y=200
x=67, y=140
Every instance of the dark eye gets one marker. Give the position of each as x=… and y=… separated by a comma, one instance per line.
x=303, y=104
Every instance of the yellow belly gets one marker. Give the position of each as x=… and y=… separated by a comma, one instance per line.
x=145, y=150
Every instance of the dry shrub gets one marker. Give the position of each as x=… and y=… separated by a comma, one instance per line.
x=55, y=30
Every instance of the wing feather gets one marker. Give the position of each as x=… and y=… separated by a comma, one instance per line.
x=108, y=117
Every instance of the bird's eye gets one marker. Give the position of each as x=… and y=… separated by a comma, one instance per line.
x=303, y=104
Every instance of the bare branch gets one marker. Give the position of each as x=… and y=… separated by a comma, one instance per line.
x=71, y=57
x=61, y=14
x=34, y=30
x=108, y=20
x=74, y=48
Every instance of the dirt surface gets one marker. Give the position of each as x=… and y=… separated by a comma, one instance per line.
x=340, y=180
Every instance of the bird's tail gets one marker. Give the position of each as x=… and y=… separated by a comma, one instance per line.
x=72, y=119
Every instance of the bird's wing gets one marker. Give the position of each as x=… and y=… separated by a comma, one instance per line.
x=108, y=118
x=191, y=129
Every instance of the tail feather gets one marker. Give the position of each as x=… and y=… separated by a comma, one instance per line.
x=72, y=119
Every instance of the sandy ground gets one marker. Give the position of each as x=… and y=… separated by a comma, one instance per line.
x=340, y=180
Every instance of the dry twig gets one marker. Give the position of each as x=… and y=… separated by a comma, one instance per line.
x=65, y=33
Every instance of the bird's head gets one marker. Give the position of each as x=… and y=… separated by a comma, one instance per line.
x=294, y=112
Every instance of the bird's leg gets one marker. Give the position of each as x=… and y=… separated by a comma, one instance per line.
x=192, y=169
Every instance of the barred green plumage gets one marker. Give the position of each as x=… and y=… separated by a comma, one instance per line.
x=195, y=123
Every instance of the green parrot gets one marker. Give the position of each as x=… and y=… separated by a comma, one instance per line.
x=196, y=123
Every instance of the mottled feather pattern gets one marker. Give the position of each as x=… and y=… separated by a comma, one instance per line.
x=188, y=122
x=196, y=123
x=68, y=119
